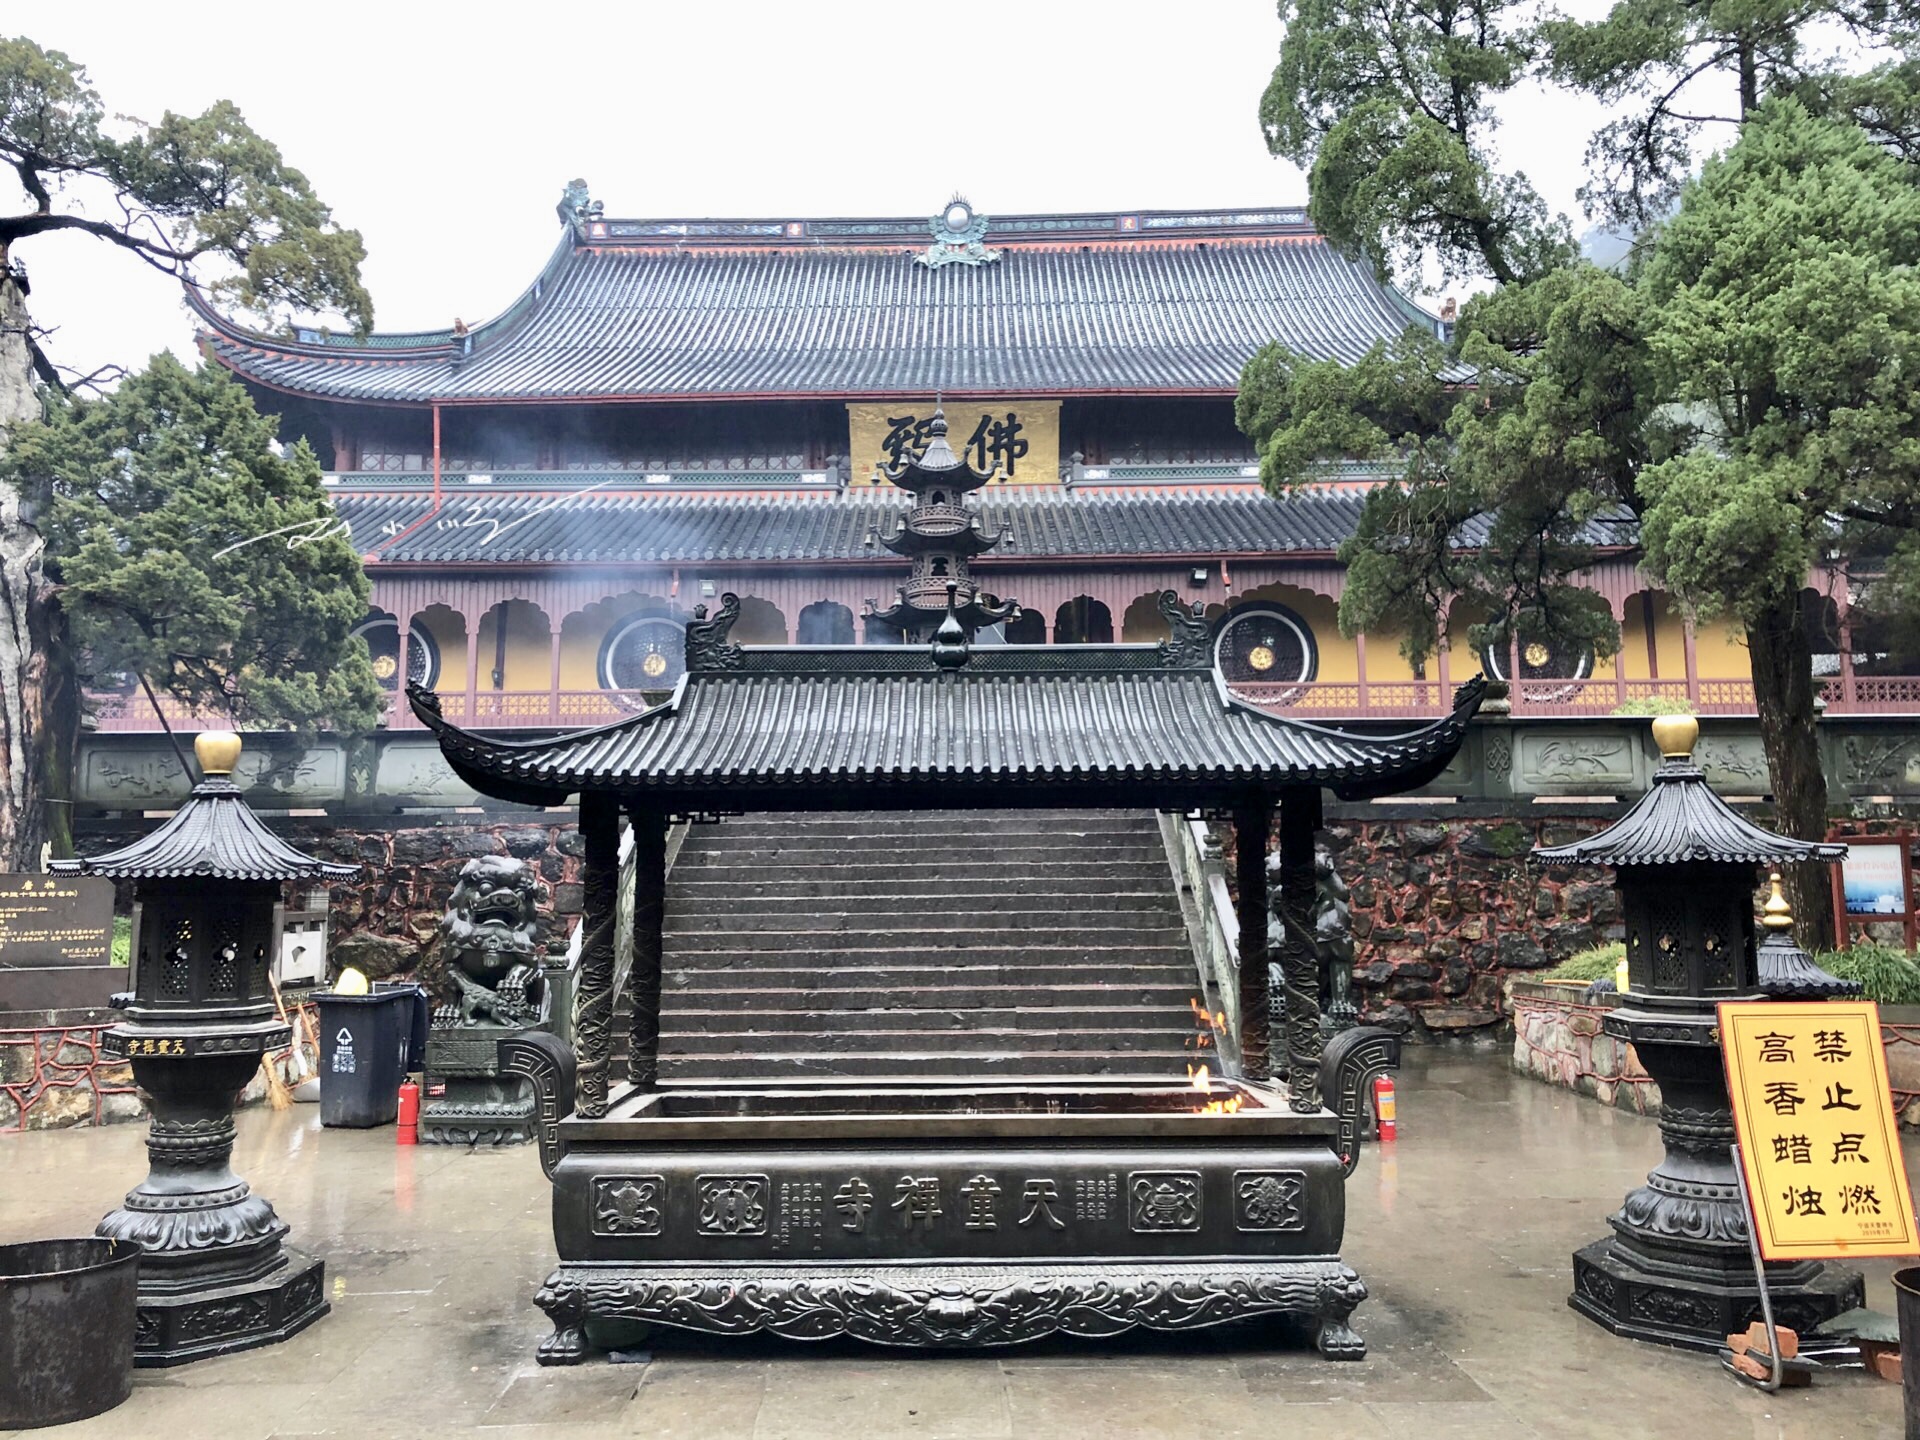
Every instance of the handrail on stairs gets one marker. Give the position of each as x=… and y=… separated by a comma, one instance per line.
x=1212, y=927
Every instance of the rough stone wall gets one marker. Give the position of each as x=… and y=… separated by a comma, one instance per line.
x=1444, y=911
x=410, y=870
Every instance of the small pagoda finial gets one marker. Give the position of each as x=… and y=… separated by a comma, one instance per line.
x=218, y=752
x=1676, y=736
x=1776, y=914
x=950, y=640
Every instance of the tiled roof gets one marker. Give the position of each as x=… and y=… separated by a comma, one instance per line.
x=605, y=527
x=214, y=836
x=1145, y=313
x=1013, y=718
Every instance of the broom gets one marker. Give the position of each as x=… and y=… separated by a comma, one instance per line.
x=279, y=1093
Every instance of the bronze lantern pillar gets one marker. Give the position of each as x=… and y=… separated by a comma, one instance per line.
x=1678, y=1269
x=214, y=1276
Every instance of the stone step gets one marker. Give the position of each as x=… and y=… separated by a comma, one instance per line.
x=1167, y=999
x=907, y=1064
x=866, y=847
x=931, y=822
x=803, y=1011
x=931, y=910
x=829, y=975
x=909, y=943
x=910, y=888
x=1117, y=873
x=972, y=860
x=890, y=954
x=765, y=1042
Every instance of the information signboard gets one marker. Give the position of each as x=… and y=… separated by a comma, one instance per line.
x=1817, y=1129
x=1874, y=883
x=50, y=920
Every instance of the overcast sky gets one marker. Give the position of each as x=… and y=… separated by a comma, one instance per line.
x=445, y=133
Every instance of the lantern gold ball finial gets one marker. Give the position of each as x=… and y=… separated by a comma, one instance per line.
x=1776, y=914
x=218, y=751
x=1675, y=735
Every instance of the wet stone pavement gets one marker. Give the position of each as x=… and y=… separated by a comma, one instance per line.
x=1463, y=1231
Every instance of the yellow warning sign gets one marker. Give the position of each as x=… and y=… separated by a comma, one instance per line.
x=1818, y=1137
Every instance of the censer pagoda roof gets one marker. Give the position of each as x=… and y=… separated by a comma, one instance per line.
x=1139, y=303
x=215, y=836
x=825, y=727
x=1681, y=820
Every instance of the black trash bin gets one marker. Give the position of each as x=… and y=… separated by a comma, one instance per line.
x=365, y=1045
x=66, y=1329
x=1906, y=1299
x=422, y=1018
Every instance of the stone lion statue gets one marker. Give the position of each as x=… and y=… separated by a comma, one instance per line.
x=489, y=947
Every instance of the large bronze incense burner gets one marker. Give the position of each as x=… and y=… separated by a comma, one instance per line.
x=966, y=1212
x=953, y=1214
x=215, y=1276
x=1677, y=1268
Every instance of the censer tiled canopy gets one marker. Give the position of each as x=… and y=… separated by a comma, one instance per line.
x=806, y=727
x=214, y=836
x=1680, y=819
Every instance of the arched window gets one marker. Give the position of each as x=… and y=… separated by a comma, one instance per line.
x=825, y=623
x=1083, y=621
x=1265, y=644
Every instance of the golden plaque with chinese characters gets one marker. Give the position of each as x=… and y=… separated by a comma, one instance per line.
x=1819, y=1139
x=1018, y=440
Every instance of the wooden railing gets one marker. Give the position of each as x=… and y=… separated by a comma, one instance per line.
x=1318, y=700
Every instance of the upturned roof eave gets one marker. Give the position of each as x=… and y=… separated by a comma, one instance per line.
x=508, y=769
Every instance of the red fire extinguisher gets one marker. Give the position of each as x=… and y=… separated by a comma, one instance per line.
x=1383, y=1105
x=408, y=1121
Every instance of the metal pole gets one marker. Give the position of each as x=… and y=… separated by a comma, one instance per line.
x=1759, y=1274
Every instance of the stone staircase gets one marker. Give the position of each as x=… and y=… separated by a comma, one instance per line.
x=987, y=944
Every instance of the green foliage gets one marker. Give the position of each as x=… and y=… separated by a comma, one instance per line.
x=1655, y=705
x=1602, y=962
x=1391, y=106
x=188, y=549
x=1787, y=320
x=192, y=191
x=1666, y=70
x=1890, y=976
x=120, y=949
x=1504, y=488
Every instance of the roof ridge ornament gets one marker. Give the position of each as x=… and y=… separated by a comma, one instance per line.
x=958, y=236
x=707, y=644
x=1189, y=644
x=577, y=206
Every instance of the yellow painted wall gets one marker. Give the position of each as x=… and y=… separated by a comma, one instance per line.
x=449, y=637
x=529, y=652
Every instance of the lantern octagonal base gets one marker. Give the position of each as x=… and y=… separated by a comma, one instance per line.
x=177, y=1327
x=1697, y=1311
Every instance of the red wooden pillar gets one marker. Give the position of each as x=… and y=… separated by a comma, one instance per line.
x=473, y=669
x=1848, y=695
x=553, y=691
x=1360, y=667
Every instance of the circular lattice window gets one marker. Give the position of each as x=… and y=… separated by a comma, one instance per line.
x=1542, y=660
x=646, y=652
x=1265, y=645
x=382, y=634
